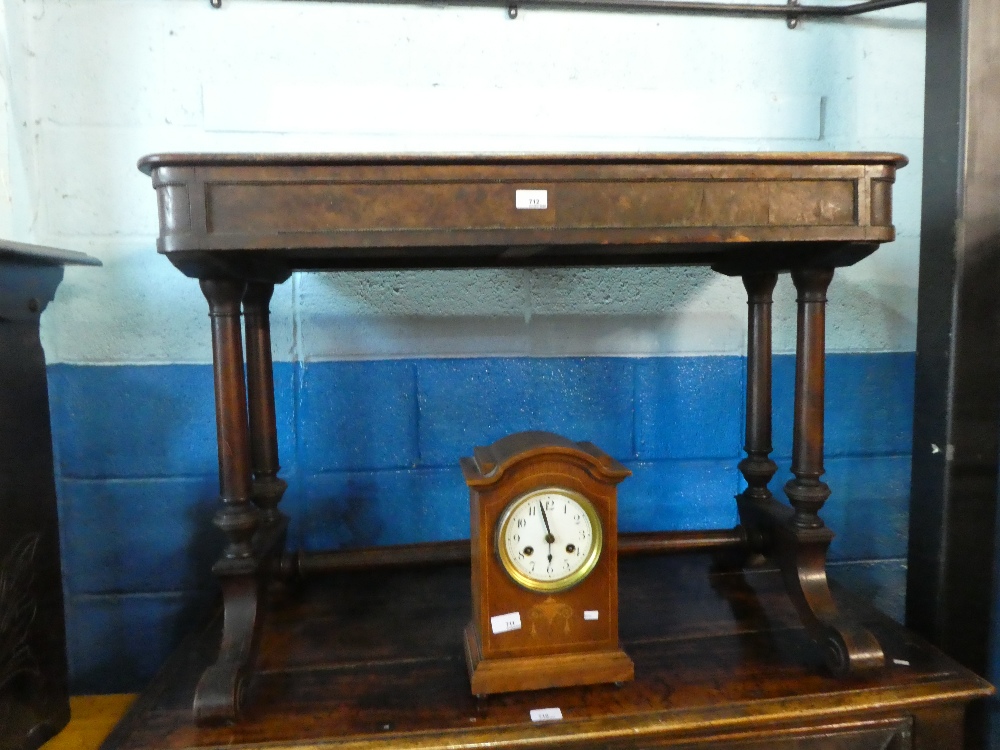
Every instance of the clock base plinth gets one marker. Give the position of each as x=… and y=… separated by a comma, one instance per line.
x=511, y=674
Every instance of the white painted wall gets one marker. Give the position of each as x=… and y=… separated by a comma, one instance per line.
x=6, y=120
x=95, y=84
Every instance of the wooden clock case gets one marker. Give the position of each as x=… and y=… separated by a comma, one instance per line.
x=555, y=646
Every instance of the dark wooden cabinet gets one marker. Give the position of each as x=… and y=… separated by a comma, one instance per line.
x=34, y=696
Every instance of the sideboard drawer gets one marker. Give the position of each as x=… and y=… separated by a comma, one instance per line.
x=889, y=734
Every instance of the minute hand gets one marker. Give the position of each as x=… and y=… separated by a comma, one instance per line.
x=548, y=532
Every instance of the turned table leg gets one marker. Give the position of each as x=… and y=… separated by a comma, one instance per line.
x=757, y=468
x=237, y=517
x=267, y=487
x=219, y=692
x=803, y=538
x=806, y=492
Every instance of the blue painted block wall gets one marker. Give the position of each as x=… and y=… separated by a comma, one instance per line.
x=370, y=450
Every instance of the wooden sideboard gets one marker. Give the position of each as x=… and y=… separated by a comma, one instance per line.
x=34, y=693
x=372, y=658
x=240, y=223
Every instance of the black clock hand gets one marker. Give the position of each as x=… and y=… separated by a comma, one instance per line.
x=548, y=535
x=548, y=532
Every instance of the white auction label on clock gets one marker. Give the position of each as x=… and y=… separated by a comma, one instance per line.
x=546, y=714
x=531, y=199
x=505, y=623
x=590, y=614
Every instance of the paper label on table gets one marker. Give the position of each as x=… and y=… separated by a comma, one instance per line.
x=901, y=662
x=505, y=623
x=590, y=614
x=546, y=714
x=536, y=199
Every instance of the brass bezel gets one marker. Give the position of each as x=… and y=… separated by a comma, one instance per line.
x=559, y=584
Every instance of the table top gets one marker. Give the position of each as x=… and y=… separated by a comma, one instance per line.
x=266, y=215
x=154, y=161
x=373, y=658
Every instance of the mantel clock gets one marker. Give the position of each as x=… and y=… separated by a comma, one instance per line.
x=544, y=565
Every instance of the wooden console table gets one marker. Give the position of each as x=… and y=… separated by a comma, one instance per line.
x=242, y=223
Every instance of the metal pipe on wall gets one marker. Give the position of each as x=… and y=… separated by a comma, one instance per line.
x=792, y=11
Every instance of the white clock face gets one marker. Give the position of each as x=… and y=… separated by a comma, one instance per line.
x=550, y=539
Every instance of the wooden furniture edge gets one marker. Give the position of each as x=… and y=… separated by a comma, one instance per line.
x=712, y=722
x=45, y=255
x=150, y=162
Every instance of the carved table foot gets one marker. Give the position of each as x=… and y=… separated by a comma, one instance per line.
x=219, y=695
x=847, y=647
x=245, y=582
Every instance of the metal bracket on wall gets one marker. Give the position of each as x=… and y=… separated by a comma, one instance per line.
x=792, y=21
x=792, y=12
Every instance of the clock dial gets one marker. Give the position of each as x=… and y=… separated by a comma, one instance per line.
x=549, y=539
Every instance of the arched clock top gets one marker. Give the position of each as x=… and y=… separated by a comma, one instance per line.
x=488, y=464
